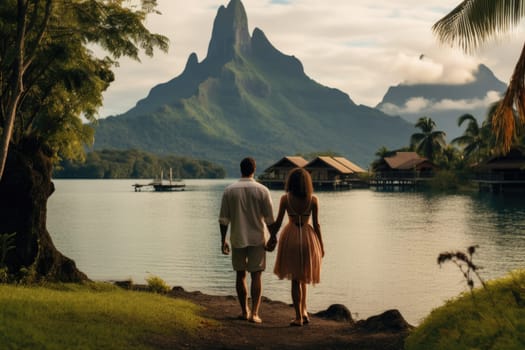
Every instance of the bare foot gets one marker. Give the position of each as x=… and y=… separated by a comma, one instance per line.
x=255, y=319
x=306, y=318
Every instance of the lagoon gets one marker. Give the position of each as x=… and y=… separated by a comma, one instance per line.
x=381, y=247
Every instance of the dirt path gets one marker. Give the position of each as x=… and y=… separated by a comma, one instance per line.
x=275, y=332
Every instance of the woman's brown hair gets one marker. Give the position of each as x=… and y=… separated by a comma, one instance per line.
x=299, y=183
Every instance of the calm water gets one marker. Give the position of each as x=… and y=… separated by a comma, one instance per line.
x=381, y=247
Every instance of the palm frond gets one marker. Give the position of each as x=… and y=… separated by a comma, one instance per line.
x=466, y=117
x=473, y=22
x=416, y=138
x=462, y=140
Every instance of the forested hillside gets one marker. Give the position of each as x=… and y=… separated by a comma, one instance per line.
x=133, y=164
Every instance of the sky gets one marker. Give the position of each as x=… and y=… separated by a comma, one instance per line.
x=360, y=47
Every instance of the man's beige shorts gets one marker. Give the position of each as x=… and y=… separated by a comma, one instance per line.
x=251, y=258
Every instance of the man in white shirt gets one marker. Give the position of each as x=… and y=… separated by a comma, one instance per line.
x=247, y=207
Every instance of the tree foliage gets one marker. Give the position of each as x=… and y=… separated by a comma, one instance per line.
x=428, y=142
x=49, y=74
x=112, y=164
x=477, y=141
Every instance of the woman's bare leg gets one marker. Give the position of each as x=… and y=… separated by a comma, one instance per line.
x=296, y=298
x=304, y=310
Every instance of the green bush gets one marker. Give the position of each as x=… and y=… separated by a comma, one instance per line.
x=157, y=285
x=489, y=318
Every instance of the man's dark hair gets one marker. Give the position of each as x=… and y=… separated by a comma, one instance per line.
x=247, y=166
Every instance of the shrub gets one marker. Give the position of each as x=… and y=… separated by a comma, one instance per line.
x=491, y=317
x=444, y=180
x=157, y=284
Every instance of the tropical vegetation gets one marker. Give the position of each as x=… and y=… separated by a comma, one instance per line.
x=456, y=161
x=50, y=74
x=114, y=164
x=488, y=318
x=475, y=140
x=56, y=60
x=429, y=142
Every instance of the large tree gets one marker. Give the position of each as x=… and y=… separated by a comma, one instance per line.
x=428, y=142
x=472, y=23
x=50, y=77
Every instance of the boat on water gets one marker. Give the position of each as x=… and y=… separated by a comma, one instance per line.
x=159, y=185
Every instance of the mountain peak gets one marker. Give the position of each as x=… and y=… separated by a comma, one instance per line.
x=483, y=75
x=230, y=32
x=192, y=62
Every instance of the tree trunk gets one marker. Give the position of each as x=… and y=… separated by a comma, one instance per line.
x=24, y=189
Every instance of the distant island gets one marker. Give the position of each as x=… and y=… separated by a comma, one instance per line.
x=135, y=164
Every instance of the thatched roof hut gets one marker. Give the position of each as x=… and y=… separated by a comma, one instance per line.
x=333, y=171
x=405, y=161
x=275, y=175
x=326, y=171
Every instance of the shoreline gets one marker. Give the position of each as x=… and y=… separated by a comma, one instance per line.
x=332, y=328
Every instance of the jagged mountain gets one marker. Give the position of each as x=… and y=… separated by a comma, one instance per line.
x=445, y=103
x=248, y=98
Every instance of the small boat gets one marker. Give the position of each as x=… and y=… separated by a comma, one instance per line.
x=159, y=185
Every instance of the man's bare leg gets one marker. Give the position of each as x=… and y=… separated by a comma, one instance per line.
x=242, y=293
x=256, y=293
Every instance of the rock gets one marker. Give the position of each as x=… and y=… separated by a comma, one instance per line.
x=388, y=321
x=126, y=284
x=336, y=312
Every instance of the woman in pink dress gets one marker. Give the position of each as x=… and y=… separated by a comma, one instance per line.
x=300, y=248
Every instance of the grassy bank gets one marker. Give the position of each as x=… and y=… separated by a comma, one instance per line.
x=491, y=318
x=91, y=316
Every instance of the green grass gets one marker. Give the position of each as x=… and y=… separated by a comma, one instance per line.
x=488, y=319
x=91, y=316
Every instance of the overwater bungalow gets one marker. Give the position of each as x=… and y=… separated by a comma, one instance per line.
x=275, y=175
x=402, y=169
x=503, y=173
x=327, y=172
x=335, y=173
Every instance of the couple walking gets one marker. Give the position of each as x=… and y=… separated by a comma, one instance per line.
x=247, y=208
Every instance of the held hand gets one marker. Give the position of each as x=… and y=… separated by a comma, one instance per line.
x=225, y=248
x=270, y=245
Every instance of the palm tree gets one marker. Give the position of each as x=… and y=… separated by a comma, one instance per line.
x=428, y=142
x=383, y=152
x=450, y=158
x=473, y=140
x=478, y=141
x=474, y=22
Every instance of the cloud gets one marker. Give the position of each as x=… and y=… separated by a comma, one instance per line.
x=421, y=105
